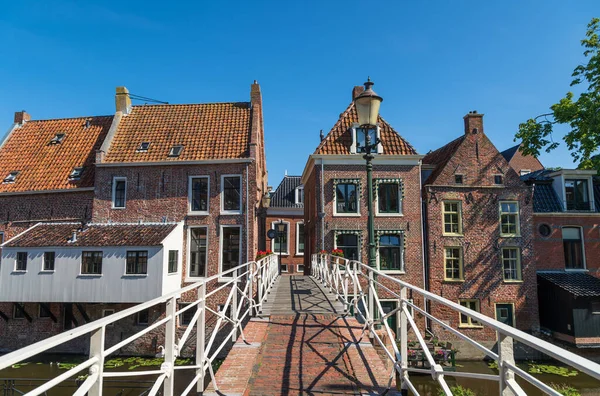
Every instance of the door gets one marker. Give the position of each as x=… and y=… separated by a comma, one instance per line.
x=389, y=306
x=505, y=314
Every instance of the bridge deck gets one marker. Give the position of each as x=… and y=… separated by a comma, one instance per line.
x=305, y=346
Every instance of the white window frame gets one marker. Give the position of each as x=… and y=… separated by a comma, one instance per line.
x=298, y=195
x=44, y=261
x=198, y=212
x=104, y=315
x=300, y=268
x=590, y=187
x=584, y=269
x=400, y=202
x=298, y=240
x=358, y=246
x=221, y=227
x=222, y=194
x=287, y=245
x=518, y=223
x=355, y=128
x=17, y=260
x=344, y=214
x=114, y=189
x=189, y=278
x=402, y=263
x=284, y=268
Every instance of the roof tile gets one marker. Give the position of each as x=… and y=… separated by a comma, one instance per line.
x=577, y=283
x=284, y=196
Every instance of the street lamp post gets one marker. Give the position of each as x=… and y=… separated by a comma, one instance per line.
x=367, y=107
x=280, y=233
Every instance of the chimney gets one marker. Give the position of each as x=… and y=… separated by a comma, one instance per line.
x=73, y=237
x=122, y=100
x=21, y=117
x=473, y=123
x=255, y=96
x=357, y=90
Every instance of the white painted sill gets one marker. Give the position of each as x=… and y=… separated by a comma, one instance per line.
x=231, y=212
x=118, y=208
x=389, y=214
x=194, y=279
x=47, y=271
x=19, y=272
x=90, y=276
x=346, y=215
x=393, y=272
x=135, y=275
x=202, y=213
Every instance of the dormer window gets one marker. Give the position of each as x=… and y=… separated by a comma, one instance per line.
x=299, y=195
x=176, y=150
x=57, y=139
x=143, y=147
x=458, y=179
x=359, y=139
x=577, y=194
x=12, y=176
x=76, y=173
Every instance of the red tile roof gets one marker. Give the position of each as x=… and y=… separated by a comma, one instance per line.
x=95, y=235
x=45, y=166
x=339, y=139
x=206, y=131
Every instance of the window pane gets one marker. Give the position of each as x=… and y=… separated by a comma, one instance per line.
x=510, y=264
x=348, y=243
x=119, y=198
x=91, y=263
x=453, y=263
x=361, y=139
x=387, y=196
x=198, y=252
x=573, y=247
x=21, y=261
x=48, y=261
x=390, y=252
x=199, y=194
x=230, y=254
x=173, y=258
x=346, y=199
x=300, y=247
x=231, y=193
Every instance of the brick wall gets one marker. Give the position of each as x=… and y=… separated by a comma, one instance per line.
x=520, y=161
x=293, y=259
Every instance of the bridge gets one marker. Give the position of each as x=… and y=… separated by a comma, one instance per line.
x=325, y=333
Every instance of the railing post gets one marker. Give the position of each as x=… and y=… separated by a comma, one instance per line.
x=251, y=289
x=234, y=306
x=403, y=342
x=506, y=353
x=371, y=297
x=170, y=334
x=201, y=338
x=97, y=350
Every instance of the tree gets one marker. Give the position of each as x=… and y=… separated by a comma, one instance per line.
x=581, y=115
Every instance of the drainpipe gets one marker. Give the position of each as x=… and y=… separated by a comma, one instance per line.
x=424, y=254
x=247, y=215
x=322, y=208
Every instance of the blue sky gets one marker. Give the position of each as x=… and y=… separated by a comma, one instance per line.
x=432, y=61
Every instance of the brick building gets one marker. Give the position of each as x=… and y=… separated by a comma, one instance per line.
x=567, y=244
x=522, y=164
x=197, y=169
x=335, y=199
x=479, y=217
x=287, y=207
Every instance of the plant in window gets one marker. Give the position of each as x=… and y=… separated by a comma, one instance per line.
x=337, y=253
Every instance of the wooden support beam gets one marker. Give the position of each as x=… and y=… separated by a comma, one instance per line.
x=69, y=317
x=83, y=313
x=46, y=308
x=21, y=308
x=3, y=316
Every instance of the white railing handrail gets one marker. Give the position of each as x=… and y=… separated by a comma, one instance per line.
x=263, y=272
x=337, y=272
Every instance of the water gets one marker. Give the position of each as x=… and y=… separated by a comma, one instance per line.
x=136, y=385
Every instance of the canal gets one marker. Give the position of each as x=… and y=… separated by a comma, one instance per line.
x=33, y=373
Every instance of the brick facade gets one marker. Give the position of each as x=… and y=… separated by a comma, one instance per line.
x=293, y=258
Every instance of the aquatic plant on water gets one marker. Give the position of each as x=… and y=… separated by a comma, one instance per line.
x=565, y=390
x=457, y=391
x=550, y=369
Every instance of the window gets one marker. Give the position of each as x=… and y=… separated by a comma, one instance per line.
x=12, y=176
x=348, y=243
x=91, y=263
x=280, y=242
x=1, y=238
x=452, y=217
x=300, y=239
x=498, y=179
x=21, y=264
x=137, y=262
x=595, y=307
x=509, y=219
x=76, y=173
x=108, y=312
x=57, y=139
x=230, y=247
x=467, y=321
x=524, y=171
x=390, y=252
x=142, y=318
x=199, y=194
x=44, y=310
x=458, y=179
x=577, y=194
x=284, y=268
x=511, y=264
x=173, y=259
x=573, y=246
x=388, y=198
x=300, y=268
x=186, y=318
x=176, y=150
x=299, y=195
x=48, y=261
x=231, y=187
x=346, y=198
x=143, y=147
x=18, y=309
x=198, y=244
x=453, y=264
x=119, y=192
x=361, y=139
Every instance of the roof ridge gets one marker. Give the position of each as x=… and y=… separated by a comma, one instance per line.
x=68, y=118
x=339, y=121
x=188, y=104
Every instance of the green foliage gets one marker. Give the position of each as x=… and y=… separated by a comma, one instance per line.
x=565, y=390
x=581, y=115
x=549, y=369
x=457, y=391
x=493, y=365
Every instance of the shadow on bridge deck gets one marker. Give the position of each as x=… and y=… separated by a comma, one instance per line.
x=304, y=344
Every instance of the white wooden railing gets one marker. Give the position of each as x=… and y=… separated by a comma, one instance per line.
x=357, y=286
x=246, y=288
